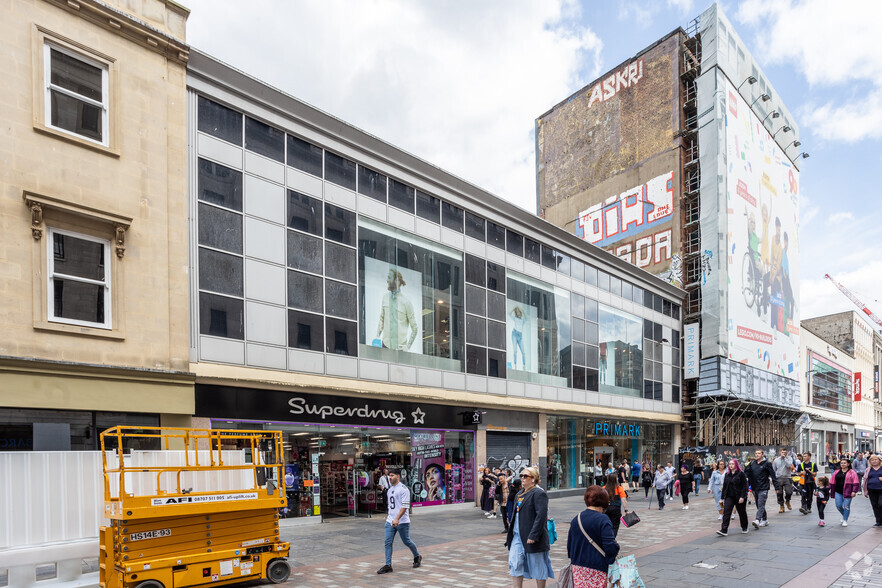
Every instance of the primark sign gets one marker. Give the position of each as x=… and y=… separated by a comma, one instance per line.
x=230, y=402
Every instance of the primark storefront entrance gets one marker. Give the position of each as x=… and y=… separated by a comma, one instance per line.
x=336, y=447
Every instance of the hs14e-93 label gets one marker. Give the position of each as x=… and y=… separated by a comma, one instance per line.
x=150, y=534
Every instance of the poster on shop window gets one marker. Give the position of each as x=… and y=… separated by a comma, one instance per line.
x=428, y=478
x=393, y=307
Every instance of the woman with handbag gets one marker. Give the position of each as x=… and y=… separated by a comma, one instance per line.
x=591, y=542
x=527, y=539
x=618, y=502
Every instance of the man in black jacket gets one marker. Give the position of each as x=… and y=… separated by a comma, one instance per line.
x=759, y=473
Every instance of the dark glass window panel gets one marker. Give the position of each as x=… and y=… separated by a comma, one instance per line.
x=496, y=335
x=339, y=224
x=657, y=369
x=304, y=252
x=675, y=375
x=401, y=195
x=220, y=228
x=666, y=307
x=339, y=170
x=638, y=295
x=342, y=337
x=341, y=300
x=591, y=380
x=475, y=270
x=658, y=388
x=675, y=311
x=474, y=226
x=675, y=394
x=476, y=330
x=577, y=270
x=647, y=368
x=340, y=262
x=76, y=116
x=220, y=272
x=532, y=250
x=77, y=257
x=591, y=334
x=591, y=309
x=549, y=259
x=220, y=121
x=372, y=184
x=514, y=243
x=627, y=290
x=647, y=389
x=495, y=235
x=220, y=185
x=221, y=316
x=264, y=139
x=648, y=349
x=76, y=75
x=496, y=363
x=590, y=275
x=451, y=216
x=675, y=342
x=78, y=300
x=647, y=329
x=615, y=286
x=304, y=156
x=305, y=292
x=476, y=360
x=496, y=306
x=578, y=378
x=304, y=213
x=647, y=299
x=578, y=327
x=563, y=263
x=495, y=277
x=428, y=207
x=603, y=280
x=657, y=303
x=675, y=357
x=579, y=354
x=578, y=304
x=656, y=332
x=306, y=331
x=476, y=300
x=592, y=356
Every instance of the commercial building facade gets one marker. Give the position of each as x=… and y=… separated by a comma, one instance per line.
x=93, y=210
x=381, y=311
x=701, y=188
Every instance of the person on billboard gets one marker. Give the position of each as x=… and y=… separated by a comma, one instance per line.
x=397, y=328
x=434, y=479
x=776, y=289
x=756, y=262
x=765, y=252
x=518, y=319
x=785, y=280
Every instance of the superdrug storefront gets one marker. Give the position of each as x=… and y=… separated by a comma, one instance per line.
x=336, y=447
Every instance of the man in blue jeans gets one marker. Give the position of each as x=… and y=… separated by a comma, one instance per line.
x=398, y=520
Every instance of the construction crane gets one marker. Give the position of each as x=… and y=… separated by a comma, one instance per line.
x=856, y=300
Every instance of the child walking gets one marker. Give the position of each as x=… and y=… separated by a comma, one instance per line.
x=823, y=495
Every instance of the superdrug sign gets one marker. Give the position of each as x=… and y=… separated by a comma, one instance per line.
x=228, y=402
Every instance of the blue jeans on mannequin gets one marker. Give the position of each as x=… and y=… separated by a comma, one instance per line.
x=402, y=529
x=517, y=340
x=843, y=505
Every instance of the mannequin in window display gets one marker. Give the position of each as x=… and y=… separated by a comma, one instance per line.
x=397, y=328
x=517, y=336
x=603, y=363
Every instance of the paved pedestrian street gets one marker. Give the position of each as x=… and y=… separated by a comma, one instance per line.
x=674, y=547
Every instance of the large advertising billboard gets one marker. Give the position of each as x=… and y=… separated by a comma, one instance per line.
x=763, y=244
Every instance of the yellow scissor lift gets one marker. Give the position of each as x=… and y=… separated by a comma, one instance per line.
x=193, y=520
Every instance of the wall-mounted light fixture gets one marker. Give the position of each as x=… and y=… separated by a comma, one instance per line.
x=763, y=97
x=773, y=114
x=748, y=80
x=785, y=128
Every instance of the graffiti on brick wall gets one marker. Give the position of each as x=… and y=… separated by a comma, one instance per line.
x=648, y=249
x=612, y=85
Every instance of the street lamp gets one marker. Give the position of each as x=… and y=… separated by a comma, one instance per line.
x=795, y=143
x=785, y=128
x=749, y=80
x=803, y=155
x=774, y=114
x=763, y=97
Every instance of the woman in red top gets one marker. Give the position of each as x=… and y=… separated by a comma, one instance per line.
x=618, y=502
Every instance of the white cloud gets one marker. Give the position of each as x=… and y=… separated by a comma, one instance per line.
x=833, y=45
x=682, y=6
x=839, y=217
x=459, y=87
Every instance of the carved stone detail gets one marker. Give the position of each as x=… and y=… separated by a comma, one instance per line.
x=36, y=220
x=120, y=241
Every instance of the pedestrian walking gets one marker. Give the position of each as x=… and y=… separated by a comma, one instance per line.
x=647, y=476
x=672, y=474
x=398, y=520
x=513, y=488
x=687, y=484
x=845, y=485
x=661, y=482
x=822, y=495
x=734, y=493
x=759, y=474
x=502, y=489
x=872, y=487
x=488, y=481
x=807, y=470
x=624, y=473
x=859, y=465
x=636, y=468
x=384, y=484
x=783, y=467
x=618, y=502
x=527, y=538
x=698, y=476
x=715, y=485
x=591, y=542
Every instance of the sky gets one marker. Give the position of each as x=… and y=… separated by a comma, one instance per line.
x=460, y=84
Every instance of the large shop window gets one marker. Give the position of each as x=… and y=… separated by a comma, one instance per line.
x=538, y=327
x=831, y=387
x=410, y=299
x=621, y=352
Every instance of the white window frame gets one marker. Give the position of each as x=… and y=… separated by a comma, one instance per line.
x=51, y=275
x=48, y=87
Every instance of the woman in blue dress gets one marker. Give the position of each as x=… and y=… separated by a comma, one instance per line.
x=715, y=485
x=527, y=538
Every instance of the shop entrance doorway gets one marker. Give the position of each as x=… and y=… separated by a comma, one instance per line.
x=605, y=455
